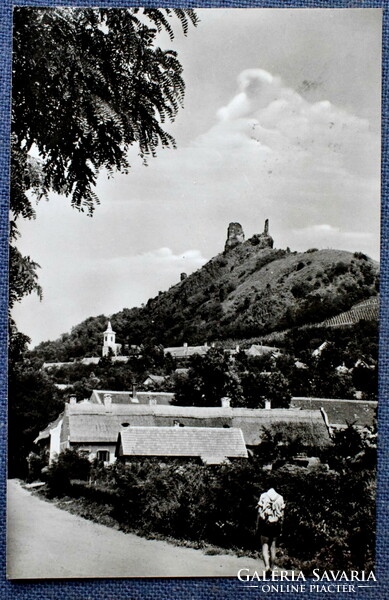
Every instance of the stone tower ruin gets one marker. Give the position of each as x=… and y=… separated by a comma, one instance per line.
x=235, y=236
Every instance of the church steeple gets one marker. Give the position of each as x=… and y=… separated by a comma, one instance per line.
x=109, y=328
x=109, y=341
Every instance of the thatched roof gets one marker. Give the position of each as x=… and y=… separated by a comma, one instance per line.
x=341, y=412
x=214, y=444
x=88, y=422
x=46, y=432
x=97, y=397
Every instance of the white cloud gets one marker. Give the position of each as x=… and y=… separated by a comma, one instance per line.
x=100, y=286
x=273, y=154
x=310, y=167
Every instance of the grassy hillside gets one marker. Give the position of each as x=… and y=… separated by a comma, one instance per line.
x=244, y=292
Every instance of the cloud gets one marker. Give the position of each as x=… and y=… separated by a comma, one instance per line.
x=257, y=89
x=312, y=168
x=100, y=287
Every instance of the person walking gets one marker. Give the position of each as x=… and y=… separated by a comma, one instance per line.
x=270, y=516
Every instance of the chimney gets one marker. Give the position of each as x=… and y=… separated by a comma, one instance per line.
x=266, y=228
x=183, y=276
x=152, y=401
x=226, y=402
x=185, y=344
x=134, y=391
x=107, y=400
x=267, y=404
x=72, y=400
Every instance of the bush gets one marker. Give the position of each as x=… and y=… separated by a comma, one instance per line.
x=300, y=289
x=329, y=517
x=69, y=465
x=36, y=462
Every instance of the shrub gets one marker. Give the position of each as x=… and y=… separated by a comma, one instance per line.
x=36, y=462
x=360, y=255
x=329, y=517
x=69, y=465
x=300, y=289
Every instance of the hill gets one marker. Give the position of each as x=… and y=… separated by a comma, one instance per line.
x=250, y=289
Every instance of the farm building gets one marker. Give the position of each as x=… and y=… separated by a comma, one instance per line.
x=211, y=445
x=93, y=427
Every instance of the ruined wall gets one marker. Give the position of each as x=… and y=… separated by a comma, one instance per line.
x=235, y=236
x=263, y=240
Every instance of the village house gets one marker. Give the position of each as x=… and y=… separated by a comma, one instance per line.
x=209, y=445
x=155, y=380
x=92, y=426
x=340, y=413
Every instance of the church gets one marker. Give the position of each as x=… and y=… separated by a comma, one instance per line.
x=109, y=344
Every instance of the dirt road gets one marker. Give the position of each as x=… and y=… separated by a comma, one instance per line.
x=46, y=542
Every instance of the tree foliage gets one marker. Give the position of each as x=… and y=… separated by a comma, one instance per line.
x=88, y=83
x=33, y=403
x=210, y=378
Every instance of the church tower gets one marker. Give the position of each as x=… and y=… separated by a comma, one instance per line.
x=109, y=341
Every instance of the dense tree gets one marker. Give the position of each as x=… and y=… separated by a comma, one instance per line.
x=33, y=403
x=87, y=84
x=210, y=378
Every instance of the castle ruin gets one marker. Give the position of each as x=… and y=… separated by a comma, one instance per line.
x=235, y=236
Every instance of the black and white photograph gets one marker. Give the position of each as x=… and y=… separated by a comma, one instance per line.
x=194, y=295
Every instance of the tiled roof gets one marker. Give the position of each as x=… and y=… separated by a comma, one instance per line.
x=259, y=350
x=207, y=442
x=181, y=371
x=185, y=351
x=158, y=379
x=341, y=412
x=51, y=365
x=91, y=360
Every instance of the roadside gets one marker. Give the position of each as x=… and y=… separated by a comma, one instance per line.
x=44, y=541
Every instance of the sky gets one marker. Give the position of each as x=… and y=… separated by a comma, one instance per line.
x=281, y=120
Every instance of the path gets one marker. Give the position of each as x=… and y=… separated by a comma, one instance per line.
x=46, y=542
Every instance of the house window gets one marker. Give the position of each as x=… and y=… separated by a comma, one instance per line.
x=102, y=455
